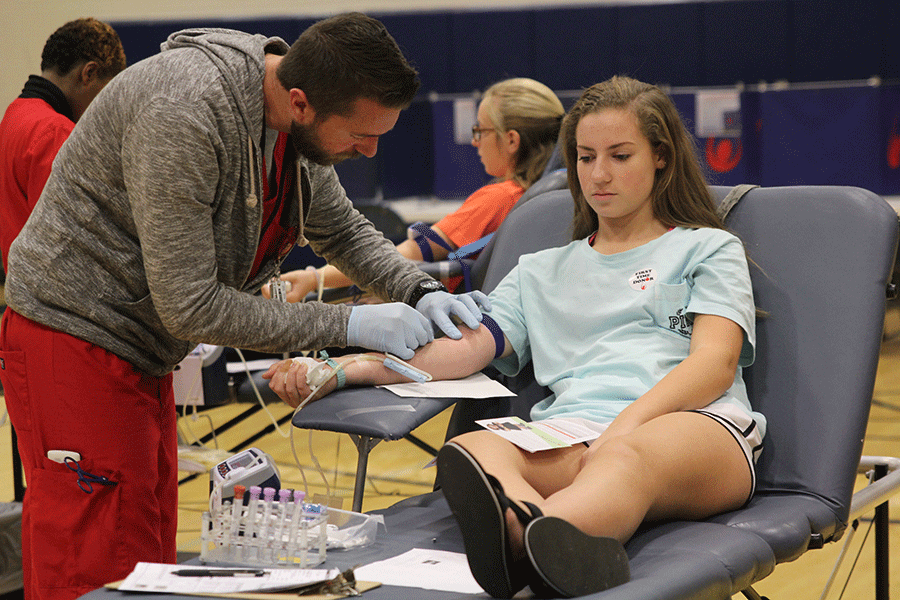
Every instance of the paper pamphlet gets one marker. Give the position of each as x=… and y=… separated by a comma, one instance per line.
x=539, y=435
x=161, y=578
x=426, y=569
x=478, y=385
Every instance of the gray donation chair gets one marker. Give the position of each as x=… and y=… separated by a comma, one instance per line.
x=822, y=258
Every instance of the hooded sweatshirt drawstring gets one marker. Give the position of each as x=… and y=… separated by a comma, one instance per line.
x=252, y=198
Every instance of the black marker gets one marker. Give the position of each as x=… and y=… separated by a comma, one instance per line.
x=219, y=573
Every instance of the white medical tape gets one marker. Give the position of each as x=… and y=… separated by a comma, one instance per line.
x=352, y=412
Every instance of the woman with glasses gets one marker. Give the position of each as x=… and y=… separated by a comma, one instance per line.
x=515, y=133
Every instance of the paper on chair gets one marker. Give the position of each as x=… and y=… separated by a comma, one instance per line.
x=478, y=385
x=426, y=569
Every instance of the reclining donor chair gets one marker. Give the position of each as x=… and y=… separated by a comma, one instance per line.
x=821, y=262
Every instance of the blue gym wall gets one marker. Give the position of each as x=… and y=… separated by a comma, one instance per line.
x=830, y=135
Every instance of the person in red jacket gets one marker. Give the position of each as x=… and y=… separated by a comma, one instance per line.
x=78, y=60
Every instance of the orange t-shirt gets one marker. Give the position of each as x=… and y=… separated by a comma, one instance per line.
x=481, y=214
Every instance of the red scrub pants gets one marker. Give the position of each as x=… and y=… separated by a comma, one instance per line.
x=63, y=393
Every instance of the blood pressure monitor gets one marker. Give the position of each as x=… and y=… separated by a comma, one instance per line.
x=247, y=468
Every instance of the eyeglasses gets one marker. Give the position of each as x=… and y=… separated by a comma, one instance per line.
x=477, y=131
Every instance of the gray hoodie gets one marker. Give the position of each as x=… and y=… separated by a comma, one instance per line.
x=144, y=237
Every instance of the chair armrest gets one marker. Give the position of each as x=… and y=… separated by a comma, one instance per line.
x=880, y=490
x=369, y=411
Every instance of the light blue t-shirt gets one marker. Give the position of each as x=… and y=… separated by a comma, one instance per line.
x=601, y=330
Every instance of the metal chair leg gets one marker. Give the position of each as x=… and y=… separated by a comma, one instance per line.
x=752, y=594
x=364, y=445
x=882, y=548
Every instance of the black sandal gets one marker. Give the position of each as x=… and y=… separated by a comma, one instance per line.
x=571, y=563
x=479, y=504
x=524, y=517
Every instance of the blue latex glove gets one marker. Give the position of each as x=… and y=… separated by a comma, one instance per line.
x=439, y=306
x=395, y=328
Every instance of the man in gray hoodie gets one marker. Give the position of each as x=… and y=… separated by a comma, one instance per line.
x=177, y=196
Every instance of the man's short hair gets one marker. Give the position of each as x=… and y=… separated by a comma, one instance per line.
x=342, y=59
x=84, y=40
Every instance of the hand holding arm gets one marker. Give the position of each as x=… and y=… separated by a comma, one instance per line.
x=440, y=306
x=444, y=358
x=394, y=327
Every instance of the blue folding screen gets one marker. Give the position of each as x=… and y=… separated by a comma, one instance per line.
x=696, y=44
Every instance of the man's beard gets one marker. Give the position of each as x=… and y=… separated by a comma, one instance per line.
x=307, y=143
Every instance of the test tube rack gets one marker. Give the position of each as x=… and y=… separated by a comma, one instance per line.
x=265, y=531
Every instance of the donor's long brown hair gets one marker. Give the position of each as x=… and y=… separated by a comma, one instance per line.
x=680, y=195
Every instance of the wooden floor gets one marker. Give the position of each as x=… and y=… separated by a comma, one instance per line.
x=400, y=469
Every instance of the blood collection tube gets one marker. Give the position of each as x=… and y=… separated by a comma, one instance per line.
x=296, y=522
x=250, y=521
x=265, y=533
x=236, y=510
x=284, y=497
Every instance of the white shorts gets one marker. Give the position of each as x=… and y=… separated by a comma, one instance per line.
x=744, y=429
x=738, y=423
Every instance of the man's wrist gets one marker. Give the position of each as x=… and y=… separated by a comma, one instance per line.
x=425, y=287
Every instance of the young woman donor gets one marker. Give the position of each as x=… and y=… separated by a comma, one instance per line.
x=639, y=327
x=515, y=133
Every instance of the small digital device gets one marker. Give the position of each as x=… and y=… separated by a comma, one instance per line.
x=251, y=467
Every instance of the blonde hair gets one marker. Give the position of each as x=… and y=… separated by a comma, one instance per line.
x=532, y=110
x=680, y=195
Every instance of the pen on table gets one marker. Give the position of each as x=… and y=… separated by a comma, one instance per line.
x=219, y=573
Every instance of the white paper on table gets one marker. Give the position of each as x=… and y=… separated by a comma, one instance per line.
x=156, y=577
x=477, y=386
x=426, y=569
